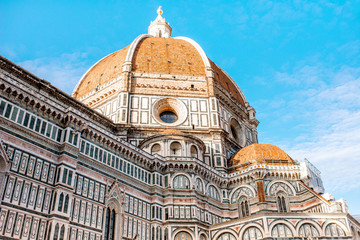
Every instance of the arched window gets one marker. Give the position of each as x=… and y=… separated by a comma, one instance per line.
x=49, y=232
x=252, y=233
x=194, y=152
x=56, y=232
x=237, y=132
x=61, y=200
x=159, y=235
x=109, y=231
x=213, y=193
x=281, y=200
x=334, y=230
x=183, y=236
x=226, y=236
x=244, y=209
x=54, y=202
x=175, y=149
x=181, y=182
x=66, y=204
x=281, y=230
x=199, y=185
x=62, y=232
x=166, y=233
x=308, y=230
x=155, y=149
x=202, y=237
x=107, y=221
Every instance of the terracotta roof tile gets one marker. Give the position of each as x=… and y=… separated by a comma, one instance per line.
x=259, y=154
x=168, y=56
x=102, y=72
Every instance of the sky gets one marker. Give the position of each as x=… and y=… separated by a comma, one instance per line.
x=297, y=62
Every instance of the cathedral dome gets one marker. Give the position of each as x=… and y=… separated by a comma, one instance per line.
x=259, y=154
x=160, y=56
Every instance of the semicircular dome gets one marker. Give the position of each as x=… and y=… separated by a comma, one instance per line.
x=102, y=72
x=259, y=154
x=155, y=55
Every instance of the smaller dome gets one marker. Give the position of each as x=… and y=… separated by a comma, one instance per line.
x=259, y=154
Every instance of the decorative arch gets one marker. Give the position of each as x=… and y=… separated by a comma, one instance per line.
x=242, y=190
x=181, y=181
x=199, y=185
x=244, y=206
x=281, y=230
x=114, y=200
x=213, y=192
x=227, y=232
x=283, y=222
x=337, y=223
x=226, y=236
x=56, y=232
x=176, y=148
x=203, y=236
x=194, y=151
x=183, y=230
x=156, y=149
x=252, y=225
x=62, y=232
x=307, y=227
x=334, y=230
x=282, y=201
x=183, y=236
x=252, y=233
x=278, y=185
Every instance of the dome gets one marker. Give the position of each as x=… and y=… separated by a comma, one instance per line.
x=259, y=154
x=157, y=53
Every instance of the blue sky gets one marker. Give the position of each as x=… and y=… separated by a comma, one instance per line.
x=297, y=62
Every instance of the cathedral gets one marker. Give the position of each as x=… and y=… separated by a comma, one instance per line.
x=156, y=142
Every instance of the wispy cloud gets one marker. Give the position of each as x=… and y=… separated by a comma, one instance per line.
x=63, y=72
x=326, y=104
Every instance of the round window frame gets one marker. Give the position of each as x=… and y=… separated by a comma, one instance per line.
x=170, y=104
x=239, y=129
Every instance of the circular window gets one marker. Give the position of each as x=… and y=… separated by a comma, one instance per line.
x=233, y=132
x=237, y=132
x=168, y=117
x=169, y=111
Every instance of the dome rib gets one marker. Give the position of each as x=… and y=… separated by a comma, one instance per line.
x=104, y=66
x=133, y=46
x=198, y=48
x=179, y=56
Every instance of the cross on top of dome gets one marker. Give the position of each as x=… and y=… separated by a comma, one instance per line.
x=159, y=11
x=159, y=27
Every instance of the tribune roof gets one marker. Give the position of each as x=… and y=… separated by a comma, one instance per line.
x=259, y=154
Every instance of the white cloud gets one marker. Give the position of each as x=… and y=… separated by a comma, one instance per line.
x=335, y=152
x=331, y=122
x=63, y=72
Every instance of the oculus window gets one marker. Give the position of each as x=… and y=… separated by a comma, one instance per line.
x=168, y=117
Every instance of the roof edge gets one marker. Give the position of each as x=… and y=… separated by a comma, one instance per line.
x=199, y=49
x=132, y=48
x=236, y=85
